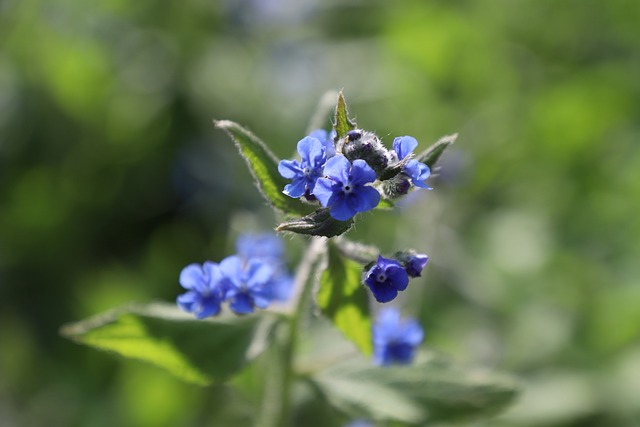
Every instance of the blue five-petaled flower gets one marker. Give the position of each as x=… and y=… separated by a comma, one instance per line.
x=344, y=187
x=205, y=289
x=395, y=340
x=269, y=248
x=418, y=172
x=386, y=278
x=305, y=172
x=247, y=283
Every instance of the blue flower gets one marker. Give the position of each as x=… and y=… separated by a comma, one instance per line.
x=204, y=284
x=260, y=245
x=418, y=172
x=305, y=172
x=247, y=283
x=327, y=140
x=414, y=264
x=344, y=188
x=359, y=423
x=394, y=340
x=269, y=248
x=386, y=278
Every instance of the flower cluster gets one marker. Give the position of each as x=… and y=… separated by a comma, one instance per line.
x=387, y=277
x=350, y=175
x=395, y=340
x=254, y=277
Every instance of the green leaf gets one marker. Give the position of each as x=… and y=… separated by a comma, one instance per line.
x=431, y=155
x=263, y=165
x=198, y=351
x=318, y=223
x=344, y=300
x=342, y=124
x=432, y=389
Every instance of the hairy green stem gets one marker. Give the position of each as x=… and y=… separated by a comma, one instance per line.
x=275, y=411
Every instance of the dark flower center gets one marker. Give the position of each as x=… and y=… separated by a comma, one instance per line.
x=382, y=277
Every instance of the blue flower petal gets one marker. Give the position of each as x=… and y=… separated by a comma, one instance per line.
x=397, y=277
x=311, y=150
x=361, y=173
x=367, y=198
x=404, y=145
x=289, y=168
x=296, y=189
x=191, y=277
x=259, y=273
x=231, y=268
x=395, y=341
x=337, y=168
x=340, y=209
x=210, y=306
x=327, y=141
x=323, y=190
x=260, y=245
x=415, y=264
x=383, y=292
x=241, y=304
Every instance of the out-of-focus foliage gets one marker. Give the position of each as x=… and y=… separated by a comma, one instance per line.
x=112, y=178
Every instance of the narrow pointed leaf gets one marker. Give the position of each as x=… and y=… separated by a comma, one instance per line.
x=431, y=155
x=197, y=351
x=263, y=165
x=342, y=124
x=430, y=390
x=344, y=300
x=318, y=223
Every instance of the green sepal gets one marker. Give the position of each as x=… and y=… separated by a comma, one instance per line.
x=341, y=122
x=431, y=155
x=317, y=223
x=201, y=352
x=263, y=165
x=344, y=300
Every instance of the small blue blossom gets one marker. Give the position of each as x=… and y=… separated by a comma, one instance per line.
x=327, y=140
x=204, y=284
x=269, y=248
x=395, y=340
x=260, y=245
x=344, y=188
x=414, y=264
x=386, y=278
x=305, y=172
x=247, y=283
x=359, y=423
x=418, y=172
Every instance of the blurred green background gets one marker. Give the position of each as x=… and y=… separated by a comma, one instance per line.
x=112, y=178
